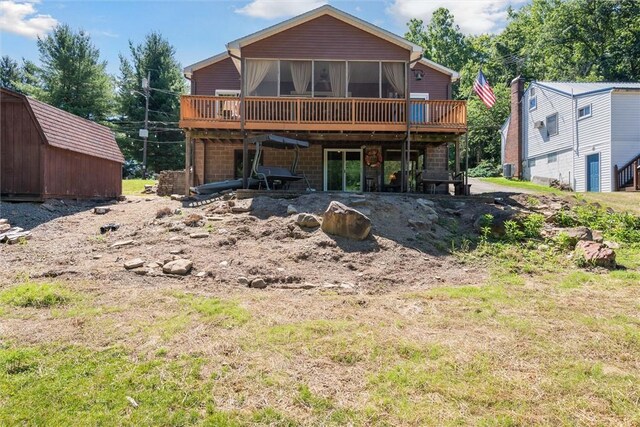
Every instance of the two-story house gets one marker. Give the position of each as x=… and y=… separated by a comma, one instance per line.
x=586, y=135
x=369, y=107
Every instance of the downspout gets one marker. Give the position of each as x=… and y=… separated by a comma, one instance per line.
x=574, y=140
x=406, y=158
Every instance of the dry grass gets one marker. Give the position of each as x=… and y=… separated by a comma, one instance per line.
x=509, y=334
x=559, y=351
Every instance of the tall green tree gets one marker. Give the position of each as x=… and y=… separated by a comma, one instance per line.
x=155, y=57
x=579, y=40
x=73, y=76
x=10, y=74
x=441, y=40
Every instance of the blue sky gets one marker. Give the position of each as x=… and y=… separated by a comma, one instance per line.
x=199, y=29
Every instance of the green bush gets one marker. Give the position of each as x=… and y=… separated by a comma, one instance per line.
x=485, y=169
x=619, y=226
x=532, y=225
x=512, y=231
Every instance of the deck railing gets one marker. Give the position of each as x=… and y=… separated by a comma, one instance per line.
x=628, y=176
x=209, y=111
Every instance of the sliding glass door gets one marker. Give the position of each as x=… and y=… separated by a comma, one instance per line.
x=342, y=170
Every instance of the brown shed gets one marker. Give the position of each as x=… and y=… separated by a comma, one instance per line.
x=46, y=152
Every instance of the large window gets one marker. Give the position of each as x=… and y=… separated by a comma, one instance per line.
x=337, y=79
x=261, y=77
x=295, y=78
x=330, y=78
x=364, y=79
x=393, y=80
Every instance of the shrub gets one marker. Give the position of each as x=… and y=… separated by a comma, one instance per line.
x=532, y=225
x=619, y=226
x=512, y=231
x=485, y=169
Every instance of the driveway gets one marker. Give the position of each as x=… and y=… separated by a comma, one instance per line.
x=482, y=187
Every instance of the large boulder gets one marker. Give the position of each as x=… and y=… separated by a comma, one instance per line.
x=596, y=254
x=179, y=267
x=341, y=220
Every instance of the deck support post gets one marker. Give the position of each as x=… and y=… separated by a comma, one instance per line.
x=466, y=163
x=187, y=163
x=616, y=180
x=457, y=154
x=635, y=175
x=245, y=141
x=406, y=144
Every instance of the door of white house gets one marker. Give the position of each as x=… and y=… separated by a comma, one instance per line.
x=342, y=169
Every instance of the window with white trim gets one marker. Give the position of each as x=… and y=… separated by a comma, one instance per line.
x=552, y=124
x=532, y=162
x=533, y=103
x=552, y=157
x=584, y=112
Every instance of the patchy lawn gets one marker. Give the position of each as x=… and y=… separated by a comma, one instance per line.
x=132, y=187
x=514, y=183
x=484, y=332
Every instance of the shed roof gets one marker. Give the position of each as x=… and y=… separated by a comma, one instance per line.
x=582, y=88
x=70, y=132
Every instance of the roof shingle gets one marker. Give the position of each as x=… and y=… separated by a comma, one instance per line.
x=70, y=132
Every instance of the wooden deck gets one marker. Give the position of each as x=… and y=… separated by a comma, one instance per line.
x=322, y=114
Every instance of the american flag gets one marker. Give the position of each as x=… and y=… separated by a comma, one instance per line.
x=483, y=89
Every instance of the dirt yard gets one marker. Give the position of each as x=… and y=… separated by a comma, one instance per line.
x=412, y=326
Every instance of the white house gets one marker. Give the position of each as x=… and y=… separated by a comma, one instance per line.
x=586, y=135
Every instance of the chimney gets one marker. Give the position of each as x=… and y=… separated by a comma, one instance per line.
x=513, y=144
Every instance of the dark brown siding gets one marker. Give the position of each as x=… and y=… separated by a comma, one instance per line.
x=325, y=38
x=20, y=149
x=435, y=83
x=221, y=75
x=71, y=174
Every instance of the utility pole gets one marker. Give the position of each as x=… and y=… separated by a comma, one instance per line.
x=145, y=134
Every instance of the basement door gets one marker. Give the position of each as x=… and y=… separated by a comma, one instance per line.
x=342, y=170
x=593, y=172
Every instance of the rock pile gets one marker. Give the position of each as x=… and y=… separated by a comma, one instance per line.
x=12, y=235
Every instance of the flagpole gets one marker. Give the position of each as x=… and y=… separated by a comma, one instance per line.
x=466, y=146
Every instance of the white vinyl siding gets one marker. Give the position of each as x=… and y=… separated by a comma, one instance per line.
x=594, y=136
x=559, y=169
x=537, y=142
x=625, y=129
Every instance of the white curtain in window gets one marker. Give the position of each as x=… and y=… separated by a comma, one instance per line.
x=338, y=78
x=256, y=71
x=394, y=72
x=301, y=75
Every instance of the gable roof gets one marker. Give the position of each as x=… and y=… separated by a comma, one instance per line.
x=583, y=88
x=70, y=132
x=235, y=46
x=188, y=70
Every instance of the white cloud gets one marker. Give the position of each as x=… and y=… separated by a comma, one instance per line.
x=271, y=9
x=473, y=16
x=21, y=17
